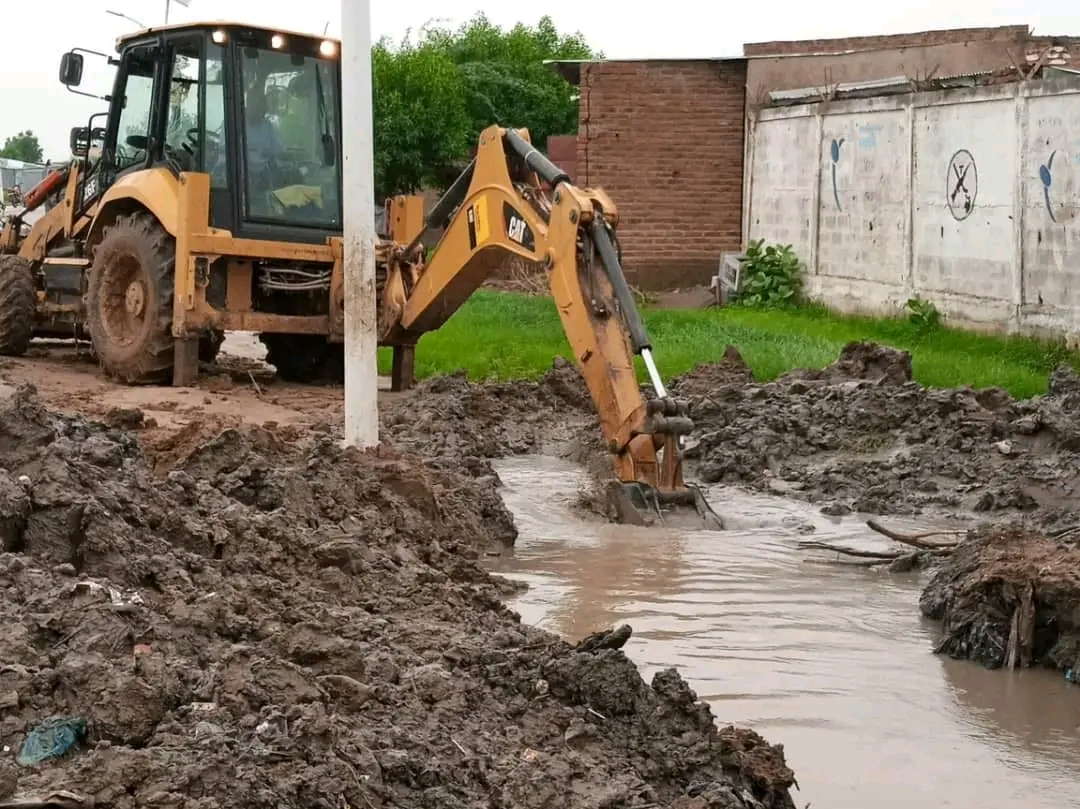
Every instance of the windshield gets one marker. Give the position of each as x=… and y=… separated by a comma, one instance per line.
x=290, y=110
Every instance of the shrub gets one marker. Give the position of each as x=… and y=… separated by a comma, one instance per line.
x=771, y=276
x=923, y=315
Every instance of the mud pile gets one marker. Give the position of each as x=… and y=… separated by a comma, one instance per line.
x=1009, y=597
x=861, y=436
x=292, y=624
x=450, y=421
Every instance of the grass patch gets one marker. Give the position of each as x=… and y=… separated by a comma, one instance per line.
x=503, y=336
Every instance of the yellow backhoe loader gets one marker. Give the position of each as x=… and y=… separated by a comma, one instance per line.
x=209, y=200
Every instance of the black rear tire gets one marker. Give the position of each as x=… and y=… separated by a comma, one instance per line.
x=305, y=358
x=18, y=301
x=130, y=301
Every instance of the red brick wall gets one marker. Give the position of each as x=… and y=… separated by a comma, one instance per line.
x=1006, y=33
x=665, y=140
x=562, y=151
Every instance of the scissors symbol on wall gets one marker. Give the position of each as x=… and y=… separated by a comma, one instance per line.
x=961, y=188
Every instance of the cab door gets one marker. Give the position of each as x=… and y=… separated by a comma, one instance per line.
x=195, y=132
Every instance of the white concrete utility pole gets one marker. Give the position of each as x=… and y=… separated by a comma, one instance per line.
x=358, y=196
x=184, y=3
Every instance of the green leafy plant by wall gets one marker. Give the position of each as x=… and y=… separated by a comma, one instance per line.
x=772, y=276
x=923, y=315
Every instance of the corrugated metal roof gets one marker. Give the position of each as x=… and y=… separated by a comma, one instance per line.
x=852, y=89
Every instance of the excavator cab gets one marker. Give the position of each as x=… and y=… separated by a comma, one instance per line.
x=258, y=111
x=206, y=199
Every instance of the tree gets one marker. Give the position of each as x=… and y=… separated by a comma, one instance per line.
x=434, y=93
x=506, y=78
x=420, y=120
x=24, y=146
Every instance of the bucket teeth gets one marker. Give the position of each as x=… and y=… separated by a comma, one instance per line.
x=639, y=504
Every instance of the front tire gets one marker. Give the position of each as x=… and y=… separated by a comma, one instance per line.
x=18, y=301
x=130, y=301
x=305, y=358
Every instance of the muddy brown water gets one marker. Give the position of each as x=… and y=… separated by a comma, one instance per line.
x=833, y=662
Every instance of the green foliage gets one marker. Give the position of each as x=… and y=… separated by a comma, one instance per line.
x=506, y=79
x=435, y=92
x=771, y=276
x=923, y=315
x=420, y=119
x=24, y=146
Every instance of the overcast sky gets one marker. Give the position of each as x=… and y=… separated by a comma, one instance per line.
x=37, y=32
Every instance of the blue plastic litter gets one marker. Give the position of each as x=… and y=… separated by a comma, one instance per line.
x=51, y=739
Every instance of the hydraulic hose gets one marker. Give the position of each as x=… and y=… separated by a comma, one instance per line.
x=442, y=209
x=536, y=160
x=639, y=338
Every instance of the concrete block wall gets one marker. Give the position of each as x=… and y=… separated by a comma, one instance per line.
x=665, y=140
x=968, y=198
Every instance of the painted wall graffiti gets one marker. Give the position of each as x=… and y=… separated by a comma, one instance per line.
x=1059, y=180
x=1047, y=177
x=961, y=185
x=973, y=203
x=866, y=138
x=835, y=154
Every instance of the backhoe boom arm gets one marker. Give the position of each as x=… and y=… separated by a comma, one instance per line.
x=498, y=209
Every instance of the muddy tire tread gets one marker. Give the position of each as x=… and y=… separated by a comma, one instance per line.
x=18, y=301
x=154, y=362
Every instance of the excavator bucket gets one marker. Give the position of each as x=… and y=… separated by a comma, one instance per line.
x=684, y=510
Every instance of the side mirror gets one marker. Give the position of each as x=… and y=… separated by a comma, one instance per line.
x=140, y=142
x=329, y=150
x=80, y=141
x=71, y=68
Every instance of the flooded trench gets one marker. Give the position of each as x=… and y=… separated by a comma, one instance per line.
x=834, y=662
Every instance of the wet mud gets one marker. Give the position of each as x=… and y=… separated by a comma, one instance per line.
x=861, y=436
x=276, y=621
x=247, y=614
x=1009, y=597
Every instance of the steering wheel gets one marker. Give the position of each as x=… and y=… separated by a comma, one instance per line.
x=195, y=137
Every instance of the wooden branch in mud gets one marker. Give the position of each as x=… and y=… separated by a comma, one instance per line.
x=904, y=557
x=885, y=556
x=916, y=540
x=855, y=562
x=1022, y=630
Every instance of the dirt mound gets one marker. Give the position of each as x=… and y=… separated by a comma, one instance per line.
x=861, y=436
x=447, y=419
x=862, y=361
x=290, y=623
x=1009, y=596
x=730, y=370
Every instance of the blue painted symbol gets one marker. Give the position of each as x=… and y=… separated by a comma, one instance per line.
x=835, y=153
x=1047, y=178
